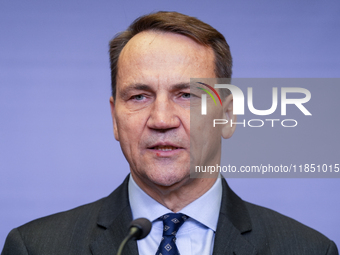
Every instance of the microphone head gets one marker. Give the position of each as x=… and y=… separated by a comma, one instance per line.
x=143, y=225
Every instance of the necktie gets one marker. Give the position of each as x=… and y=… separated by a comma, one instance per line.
x=172, y=222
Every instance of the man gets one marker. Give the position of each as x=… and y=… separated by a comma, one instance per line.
x=151, y=104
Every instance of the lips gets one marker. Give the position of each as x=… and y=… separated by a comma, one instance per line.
x=164, y=148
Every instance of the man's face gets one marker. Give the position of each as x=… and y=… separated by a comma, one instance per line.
x=151, y=112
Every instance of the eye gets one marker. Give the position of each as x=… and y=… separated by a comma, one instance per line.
x=186, y=95
x=138, y=97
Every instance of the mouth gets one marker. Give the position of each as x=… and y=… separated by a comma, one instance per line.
x=164, y=148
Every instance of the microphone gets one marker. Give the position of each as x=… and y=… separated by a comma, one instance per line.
x=139, y=228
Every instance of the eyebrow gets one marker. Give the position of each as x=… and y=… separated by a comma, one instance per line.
x=137, y=86
x=144, y=87
x=180, y=86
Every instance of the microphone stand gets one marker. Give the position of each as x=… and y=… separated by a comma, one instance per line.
x=139, y=229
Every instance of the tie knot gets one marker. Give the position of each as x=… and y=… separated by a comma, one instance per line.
x=172, y=222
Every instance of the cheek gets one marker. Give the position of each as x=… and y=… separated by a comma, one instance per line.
x=203, y=133
x=186, y=121
x=129, y=127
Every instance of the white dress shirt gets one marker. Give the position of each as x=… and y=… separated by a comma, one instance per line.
x=195, y=236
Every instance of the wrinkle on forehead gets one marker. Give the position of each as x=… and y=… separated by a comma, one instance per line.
x=174, y=47
x=154, y=54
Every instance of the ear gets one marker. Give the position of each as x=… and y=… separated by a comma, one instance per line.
x=228, y=130
x=115, y=128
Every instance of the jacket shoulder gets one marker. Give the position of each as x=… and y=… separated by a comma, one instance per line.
x=60, y=231
x=64, y=220
x=283, y=235
x=68, y=232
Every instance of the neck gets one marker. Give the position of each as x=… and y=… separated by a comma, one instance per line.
x=178, y=195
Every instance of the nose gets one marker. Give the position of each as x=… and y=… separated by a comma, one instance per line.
x=163, y=115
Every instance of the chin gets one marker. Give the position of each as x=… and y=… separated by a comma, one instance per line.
x=169, y=178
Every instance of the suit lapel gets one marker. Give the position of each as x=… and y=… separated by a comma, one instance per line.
x=233, y=223
x=113, y=221
x=115, y=217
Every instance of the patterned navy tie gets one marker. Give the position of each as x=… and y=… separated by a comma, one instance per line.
x=172, y=222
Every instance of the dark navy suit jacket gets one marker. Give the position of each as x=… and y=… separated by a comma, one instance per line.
x=98, y=228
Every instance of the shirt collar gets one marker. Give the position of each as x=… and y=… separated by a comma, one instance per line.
x=206, y=208
x=142, y=205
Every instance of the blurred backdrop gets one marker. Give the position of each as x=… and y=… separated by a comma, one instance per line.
x=57, y=149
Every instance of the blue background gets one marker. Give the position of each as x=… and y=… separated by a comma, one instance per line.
x=57, y=150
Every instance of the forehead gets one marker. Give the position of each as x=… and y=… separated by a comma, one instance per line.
x=158, y=57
